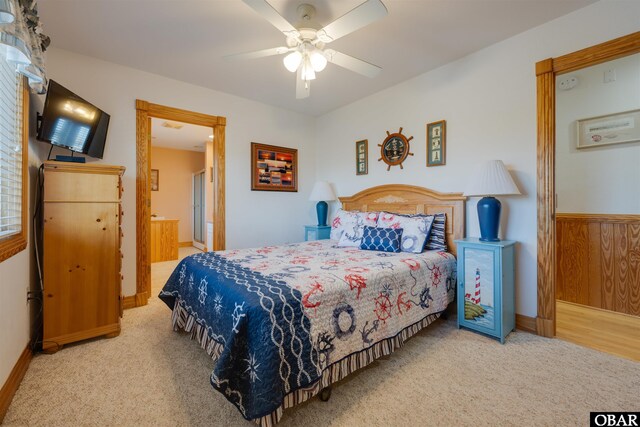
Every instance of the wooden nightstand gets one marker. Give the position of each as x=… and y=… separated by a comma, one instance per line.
x=316, y=232
x=486, y=278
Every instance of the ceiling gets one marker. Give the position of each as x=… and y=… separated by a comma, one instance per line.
x=187, y=39
x=188, y=137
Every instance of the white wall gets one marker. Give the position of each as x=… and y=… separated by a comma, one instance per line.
x=14, y=327
x=599, y=179
x=253, y=218
x=489, y=101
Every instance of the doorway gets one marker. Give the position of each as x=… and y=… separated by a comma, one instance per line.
x=144, y=112
x=551, y=221
x=597, y=208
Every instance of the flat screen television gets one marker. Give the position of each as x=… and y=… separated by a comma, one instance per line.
x=71, y=122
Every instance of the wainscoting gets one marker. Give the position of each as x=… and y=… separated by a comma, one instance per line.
x=598, y=261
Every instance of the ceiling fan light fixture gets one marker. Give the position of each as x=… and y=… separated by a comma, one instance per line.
x=307, y=70
x=292, y=61
x=305, y=46
x=323, y=36
x=318, y=61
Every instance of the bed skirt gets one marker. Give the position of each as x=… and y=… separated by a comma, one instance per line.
x=183, y=320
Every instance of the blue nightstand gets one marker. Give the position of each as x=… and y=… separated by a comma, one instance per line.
x=486, y=278
x=316, y=232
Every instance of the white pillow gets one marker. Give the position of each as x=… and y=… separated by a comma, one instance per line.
x=354, y=240
x=348, y=221
x=415, y=229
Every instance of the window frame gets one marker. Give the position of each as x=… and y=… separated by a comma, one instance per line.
x=14, y=244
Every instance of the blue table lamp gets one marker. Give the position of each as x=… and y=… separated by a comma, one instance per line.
x=321, y=193
x=490, y=179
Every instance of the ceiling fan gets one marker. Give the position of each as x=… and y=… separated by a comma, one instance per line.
x=305, y=45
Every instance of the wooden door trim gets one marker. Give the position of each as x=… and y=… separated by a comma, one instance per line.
x=144, y=112
x=546, y=72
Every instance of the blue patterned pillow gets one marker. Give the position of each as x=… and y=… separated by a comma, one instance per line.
x=437, y=239
x=381, y=239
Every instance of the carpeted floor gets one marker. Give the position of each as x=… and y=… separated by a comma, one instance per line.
x=150, y=375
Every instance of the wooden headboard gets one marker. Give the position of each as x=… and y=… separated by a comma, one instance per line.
x=410, y=199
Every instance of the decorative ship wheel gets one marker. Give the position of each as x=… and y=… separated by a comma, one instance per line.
x=395, y=149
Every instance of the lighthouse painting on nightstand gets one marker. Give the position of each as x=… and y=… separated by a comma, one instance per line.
x=479, y=287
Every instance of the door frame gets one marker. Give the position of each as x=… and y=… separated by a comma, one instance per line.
x=546, y=72
x=144, y=112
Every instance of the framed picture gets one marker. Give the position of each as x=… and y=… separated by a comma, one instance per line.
x=362, y=157
x=609, y=129
x=273, y=168
x=437, y=143
x=155, y=179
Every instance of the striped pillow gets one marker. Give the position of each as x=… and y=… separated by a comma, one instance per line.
x=437, y=239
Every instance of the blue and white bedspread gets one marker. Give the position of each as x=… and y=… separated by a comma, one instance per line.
x=282, y=322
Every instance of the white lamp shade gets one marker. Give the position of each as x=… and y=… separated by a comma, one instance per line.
x=322, y=192
x=318, y=61
x=292, y=61
x=491, y=179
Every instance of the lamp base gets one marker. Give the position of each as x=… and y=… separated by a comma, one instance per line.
x=489, y=218
x=321, y=209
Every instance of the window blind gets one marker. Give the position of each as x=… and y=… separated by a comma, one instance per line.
x=10, y=150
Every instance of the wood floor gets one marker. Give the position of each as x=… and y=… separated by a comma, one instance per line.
x=604, y=330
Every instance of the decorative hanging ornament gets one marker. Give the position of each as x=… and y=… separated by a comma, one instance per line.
x=395, y=149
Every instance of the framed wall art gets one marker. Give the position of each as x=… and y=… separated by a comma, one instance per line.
x=609, y=129
x=437, y=143
x=273, y=168
x=155, y=179
x=362, y=157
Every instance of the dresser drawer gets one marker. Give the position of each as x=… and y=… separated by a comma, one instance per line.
x=81, y=187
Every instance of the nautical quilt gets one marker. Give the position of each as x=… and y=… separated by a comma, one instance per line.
x=280, y=316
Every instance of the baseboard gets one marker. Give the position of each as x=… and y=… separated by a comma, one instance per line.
x=129, y=302
x=133, y=301
x=185, y=244
x=526, y=323
x=545, y=327
x=10, y=387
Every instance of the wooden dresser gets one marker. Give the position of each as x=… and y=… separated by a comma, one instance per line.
x=82, y=258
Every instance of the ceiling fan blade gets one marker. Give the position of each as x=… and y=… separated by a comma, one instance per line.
x=259, y=53
x=270, y=14
x=363, y=15
x=353, y=64
x=303, y=88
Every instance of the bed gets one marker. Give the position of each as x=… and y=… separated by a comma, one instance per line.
x=283, y=323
